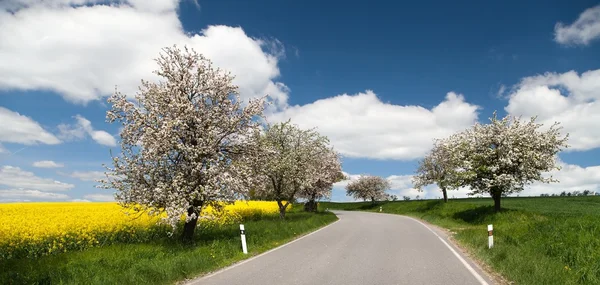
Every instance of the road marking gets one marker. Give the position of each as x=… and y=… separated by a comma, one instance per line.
x=197, y=280
x=464, y=262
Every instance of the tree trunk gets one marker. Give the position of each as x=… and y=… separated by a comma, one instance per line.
x=445, y=192
x=188, y=229
x=282, y=208
x=496, y=195
x=373, y=200
x=310, y=206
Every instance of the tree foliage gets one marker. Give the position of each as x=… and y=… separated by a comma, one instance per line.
x=439, y=166
x=328, y=170
x=368, y=187
x=187, y=141
x=291, y=161
x=504, y=156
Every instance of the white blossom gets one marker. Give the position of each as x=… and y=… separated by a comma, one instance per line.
x=327, y=171
x=187, y=141
x=439, y=166
x=368, y=187
x=291, y=161
x=504, y=156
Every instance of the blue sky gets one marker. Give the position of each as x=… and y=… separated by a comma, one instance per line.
x=380, y=79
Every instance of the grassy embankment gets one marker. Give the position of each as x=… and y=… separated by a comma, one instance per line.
x=550, y=240
x=162, y=261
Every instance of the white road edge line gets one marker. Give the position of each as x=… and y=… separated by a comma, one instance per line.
x=464, y=262
x=196, y=280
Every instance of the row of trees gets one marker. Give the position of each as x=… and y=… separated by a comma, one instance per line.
x=499, y=158
x=569, y=194
x=188, y=142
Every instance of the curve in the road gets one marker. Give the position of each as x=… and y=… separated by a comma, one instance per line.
x=360, y=248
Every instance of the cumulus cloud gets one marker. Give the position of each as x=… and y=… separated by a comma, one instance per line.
x=568, y=98
x=23, y=195
x=101, y=46
x=15, y=177
x=17, y=128
x=361, y=125
x=80, y=200
x=82, y=128
x=581, y=32
x=571, y=178
x=88, y=175
x=47, y=164
x=100, y=197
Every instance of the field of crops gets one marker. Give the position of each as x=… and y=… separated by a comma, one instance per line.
x=37, y=229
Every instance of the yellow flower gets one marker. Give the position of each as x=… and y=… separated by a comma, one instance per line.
x=32, y=229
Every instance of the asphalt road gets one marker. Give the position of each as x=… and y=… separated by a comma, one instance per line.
x=360, y=248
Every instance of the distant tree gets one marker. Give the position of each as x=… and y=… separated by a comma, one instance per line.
x=418, y=197
x=503, y=156
x=185, y=142
x=289, y=162
x=406, y=198
x=576, y=193
x=544, y=195
x=563, y=193
x=394, y=198
x=368, y=187
x=586, y=192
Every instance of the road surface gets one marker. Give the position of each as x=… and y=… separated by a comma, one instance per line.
x=360, y=248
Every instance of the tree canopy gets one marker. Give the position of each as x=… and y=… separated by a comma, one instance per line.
x=186, y=142
x=368, y=187
x=504, y=156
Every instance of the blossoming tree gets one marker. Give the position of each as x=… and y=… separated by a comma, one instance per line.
x=328, y=170
x=504, y=156
x=186, y=143
x=368, y=187
x=288, y=164
x=439, y=166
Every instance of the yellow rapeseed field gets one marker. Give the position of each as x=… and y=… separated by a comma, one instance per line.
x=36, y=229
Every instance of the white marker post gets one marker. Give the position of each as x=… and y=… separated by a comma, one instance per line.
x=243, y=232
x=380, y=209
x=490, y=236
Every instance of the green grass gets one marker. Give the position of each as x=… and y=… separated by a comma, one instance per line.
x=550, y=240
x=163, y=261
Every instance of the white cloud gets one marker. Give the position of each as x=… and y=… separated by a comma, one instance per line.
x=581, y=32
x=571, y=178
x=15, y=195
x=144, y=5
x=80, y=200
x=568, y=98
x=16, y=128
x=362, y=125
x=83, y=127
x=100, y=197
x=15, y=177
x=2, y=149
x=47, y=164
x=100, y=46
x=88, y=175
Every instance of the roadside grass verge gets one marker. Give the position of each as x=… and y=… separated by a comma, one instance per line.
x=163, y=261
x=549, y=240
